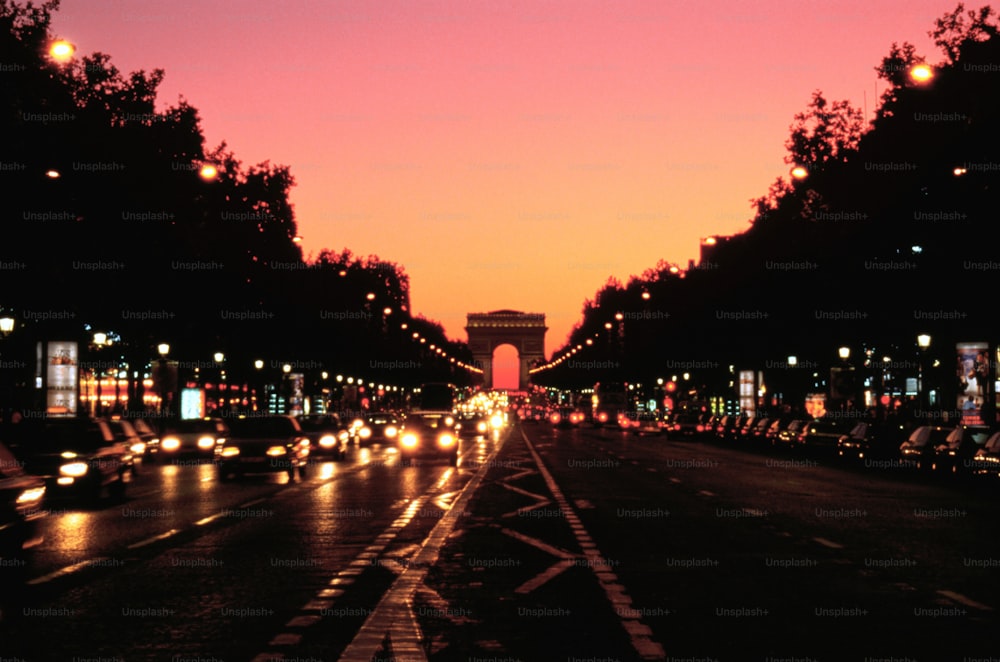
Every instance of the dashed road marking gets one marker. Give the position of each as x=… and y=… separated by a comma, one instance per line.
x=968, y=602
x=639, y=634
x=829, y=543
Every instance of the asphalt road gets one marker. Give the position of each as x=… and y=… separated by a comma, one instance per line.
x=541, y=545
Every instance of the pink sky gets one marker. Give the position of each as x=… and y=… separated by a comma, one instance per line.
x=509, y=155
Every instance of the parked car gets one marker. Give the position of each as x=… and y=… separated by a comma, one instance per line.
x=986, y=461
x=918, y=449
x=955, y=453
x=775, y=427
x=263, y=444
x=868, y=440
x=328, y=437
x=821, y=435
x=745, y=433
x=429, y=436
x=788, y=436
x=78, y=457
x=729, y=427
x=758, y=433
x=193, y=437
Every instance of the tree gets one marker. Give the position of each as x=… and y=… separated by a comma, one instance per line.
x=824, y=132
x=955, y=29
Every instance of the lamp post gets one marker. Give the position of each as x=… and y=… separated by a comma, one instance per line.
x=163, y=381
x=923, y=342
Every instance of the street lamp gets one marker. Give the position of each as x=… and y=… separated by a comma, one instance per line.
x=923, y=342
x=844, y=353
x=6, y=325
x=62, y=50
x=921, y=73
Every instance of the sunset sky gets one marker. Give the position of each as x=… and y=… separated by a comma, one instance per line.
x=509, y=154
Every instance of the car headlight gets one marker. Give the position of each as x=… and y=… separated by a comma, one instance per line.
x=172, y=443
x=74, y=469
x=230, y=451
x=446, y=440
x=481, y=427
x=206, y=442
x=409, y=439
x=357, y=423
x=30, y=496
x=275, y=451
x=327, y=441
x=365, y=432
x=448, y=420
x=497, y=421
x=391, y=431
x=138, y=447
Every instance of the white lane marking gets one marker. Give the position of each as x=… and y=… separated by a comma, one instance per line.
x=639, y=634
x=394, y=612
x=151, y=540
x=67, y=570
x=829, y=543
x=968, y=602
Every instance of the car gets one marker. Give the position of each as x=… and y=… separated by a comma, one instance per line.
x=787, y=436
x=428, y=436
x=22, y=499
x=382, y=426
x=533, y=413
x=918, y=449
x=686, y=425
x=954, y=454
x=821, y=435
x=643, y=422
x=472, y=423
x=745, y=432
x=986, y=461
x=148, y=434
x=191, y=437
x=728, y=427
x=870, y=440
x=263, y=444
x=125, y=431
x=328, y=437
x=80, y=458
x=758, y=433
x=774, y=428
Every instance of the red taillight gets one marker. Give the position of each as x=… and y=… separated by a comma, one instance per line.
x=602, y=417
x=555, y=418
x=701, y=428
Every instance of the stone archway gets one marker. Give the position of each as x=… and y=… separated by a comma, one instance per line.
x=525, y=331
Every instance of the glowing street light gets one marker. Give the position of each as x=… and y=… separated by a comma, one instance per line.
x=921, y=73
x=62, y=50
x=208, y=172
x=799, y=172
x=163, y=349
